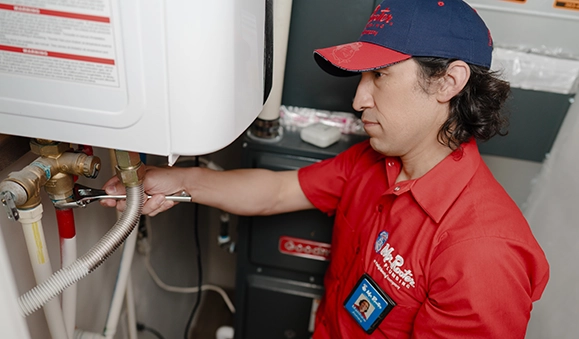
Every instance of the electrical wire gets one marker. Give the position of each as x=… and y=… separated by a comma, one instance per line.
x=142, y=327
x=199, y=268
x=177, y=289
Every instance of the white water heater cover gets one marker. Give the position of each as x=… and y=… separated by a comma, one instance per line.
x=165, y=77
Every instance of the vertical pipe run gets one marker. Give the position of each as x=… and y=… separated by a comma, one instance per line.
x=67, y=276
x=282, y=11
x=36, y=243
x=120, y=286
x=267, y=126
x=131, y=312
x=68, y=254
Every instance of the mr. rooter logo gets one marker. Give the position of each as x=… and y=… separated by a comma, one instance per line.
x=377, y=20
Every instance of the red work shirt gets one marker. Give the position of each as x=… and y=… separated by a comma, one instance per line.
x=459, y=259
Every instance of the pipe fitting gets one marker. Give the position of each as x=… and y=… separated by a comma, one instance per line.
x=129, y=168
x=91, y=166
x=60, y=187
x=43, y=169
x=30, y=178
x=11, y=193
x=48, y=148
x=19, y=194
x=127, y=160
x=78, y=164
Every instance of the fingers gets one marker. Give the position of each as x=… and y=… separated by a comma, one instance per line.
x=112, y=182
x=158, y=182
x=114, y=187
x=157, y=204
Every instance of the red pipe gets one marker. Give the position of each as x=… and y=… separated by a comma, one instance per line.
x=65, y=220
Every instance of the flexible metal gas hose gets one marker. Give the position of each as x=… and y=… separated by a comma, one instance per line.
x=67, y=276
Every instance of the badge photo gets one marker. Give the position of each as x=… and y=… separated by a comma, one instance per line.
x=368, y=304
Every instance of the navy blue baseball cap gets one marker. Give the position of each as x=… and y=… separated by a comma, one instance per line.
x=401, y=29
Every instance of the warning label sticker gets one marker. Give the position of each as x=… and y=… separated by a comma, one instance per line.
x=569, y=4
x=70, y=40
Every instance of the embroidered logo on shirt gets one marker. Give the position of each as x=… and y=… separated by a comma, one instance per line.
x=380, y=241
x=391, y=266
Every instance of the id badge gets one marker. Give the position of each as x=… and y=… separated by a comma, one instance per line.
x=368, y=304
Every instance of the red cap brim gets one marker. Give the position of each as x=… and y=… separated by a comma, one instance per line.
x=350, y=59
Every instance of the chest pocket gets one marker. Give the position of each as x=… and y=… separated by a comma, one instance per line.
x=398, y=323
x=344, y=245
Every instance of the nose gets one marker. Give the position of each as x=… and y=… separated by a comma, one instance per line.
x=363, y=99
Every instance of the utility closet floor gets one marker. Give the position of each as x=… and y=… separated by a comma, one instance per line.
x=212, y=314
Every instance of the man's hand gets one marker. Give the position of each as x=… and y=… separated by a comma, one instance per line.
x=158, y=183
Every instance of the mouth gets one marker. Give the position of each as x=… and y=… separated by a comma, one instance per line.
x=368, y=123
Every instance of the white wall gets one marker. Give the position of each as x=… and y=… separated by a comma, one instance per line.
x=553, y=212
x=515, y=175
x=547, y=193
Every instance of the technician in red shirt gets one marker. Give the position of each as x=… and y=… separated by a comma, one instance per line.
x=422, y=229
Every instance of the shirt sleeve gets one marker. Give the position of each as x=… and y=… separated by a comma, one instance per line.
x=323, y=182
x=481, y=288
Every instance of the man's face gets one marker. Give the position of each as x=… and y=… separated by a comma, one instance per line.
x=398, y=115
x=364, y=306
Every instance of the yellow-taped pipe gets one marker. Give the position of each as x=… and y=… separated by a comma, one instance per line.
x=36, y=243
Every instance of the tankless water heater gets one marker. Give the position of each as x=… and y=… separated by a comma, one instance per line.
x=164, y=77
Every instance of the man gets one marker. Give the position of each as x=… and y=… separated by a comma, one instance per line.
x=362, y=307
x=421, y=225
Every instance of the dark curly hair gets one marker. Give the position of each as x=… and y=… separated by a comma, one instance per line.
x=477, y=111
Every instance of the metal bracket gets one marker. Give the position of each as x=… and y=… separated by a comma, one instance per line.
x=8, y=202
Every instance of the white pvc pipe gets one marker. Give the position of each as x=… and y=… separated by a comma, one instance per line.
x=67, y=276
x=131, y=313
x=68, y=256
x=120, y=285
x=224, y=332
x=282, y=10
x=80, y=334
x=36, y=243
x=11, y=323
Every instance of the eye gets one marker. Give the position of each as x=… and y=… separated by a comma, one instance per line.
x=377, y=74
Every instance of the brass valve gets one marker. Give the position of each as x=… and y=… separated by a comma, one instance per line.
x=53, y=170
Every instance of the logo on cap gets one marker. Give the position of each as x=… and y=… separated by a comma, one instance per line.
x=378, y=19
x=343, y=53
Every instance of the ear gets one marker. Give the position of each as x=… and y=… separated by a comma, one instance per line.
x=453, y=82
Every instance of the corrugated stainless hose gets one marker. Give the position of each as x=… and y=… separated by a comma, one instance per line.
x=67, y=276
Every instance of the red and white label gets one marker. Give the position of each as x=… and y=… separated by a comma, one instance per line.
x=304, y=248
x=61, y=40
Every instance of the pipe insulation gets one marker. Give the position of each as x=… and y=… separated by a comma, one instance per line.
x=67, y=276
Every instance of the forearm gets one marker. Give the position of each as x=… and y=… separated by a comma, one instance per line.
x=246, y=191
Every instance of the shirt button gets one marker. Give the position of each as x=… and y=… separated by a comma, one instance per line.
x=390, y=163
x=379, y=208
x=357, y=250
x=397, y=188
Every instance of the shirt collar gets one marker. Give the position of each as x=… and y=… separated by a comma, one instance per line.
x=437, y=190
